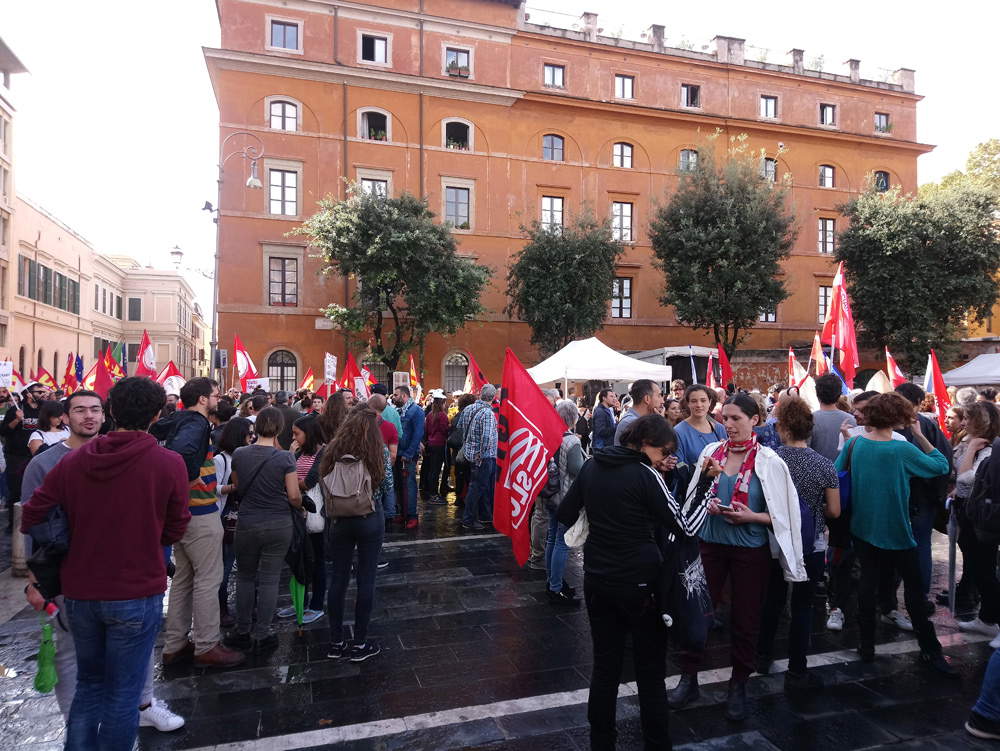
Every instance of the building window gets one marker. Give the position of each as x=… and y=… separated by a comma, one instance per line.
x=825, y=294
x=456, y=370
x=827, y=238
x=769, y=106
x=3, y=334
x=554, y=75
x=104, y=301
x=118, y=307
x=690, y=95
x=374, y=49
x=881, y=181
x=456, y=62
x=40, y=283
x=133, y=352
x=624, y=87
x=689, y=160
x=375, y=187
x=457, y=135
x=283, y=281
x=284, y=35
x=379, y=371
x=456, y=206
x=4, y=128
x=135, y=308
x=281, y=371
x=552, y=213
x=621, y=221
x=769, y=169
x=828, y=114
x=4, y=227
x=374, y=126
x=621, y=155
x=768, y=316
x=552, y=148
x=826, y=176
x=283, y=185
x=621, y=297
x=5, y=184
x=882, y=122
x=284, y=115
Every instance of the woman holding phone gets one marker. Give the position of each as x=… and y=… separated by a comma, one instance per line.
x=753, y=509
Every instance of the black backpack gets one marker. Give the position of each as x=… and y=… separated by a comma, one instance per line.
x=982, y=510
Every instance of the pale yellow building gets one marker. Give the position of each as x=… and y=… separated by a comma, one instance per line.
x=9, y=66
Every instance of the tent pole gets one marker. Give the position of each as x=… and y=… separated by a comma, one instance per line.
x=565, y=387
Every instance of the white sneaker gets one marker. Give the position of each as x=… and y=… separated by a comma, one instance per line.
x=308, y=616
x=976, y=626
x=288, y=612
x=897, y=619
x=836, y=620
x=159, y=716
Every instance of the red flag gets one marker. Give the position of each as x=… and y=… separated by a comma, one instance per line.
x=112, y=366
x=69, y=383
x=46, y=379
x=102, y=379
x=838, y=329
x=896, y=376
x=796, y=375
x=942, y=403
x=474, y=378
x=351, y=373
x=146, y=365
x=710, y=371
x=725, y=370
x=529, y=433
x=17, y=382
x=171, y=379
x=817, y=356
x=245, y=368
x=308, y=380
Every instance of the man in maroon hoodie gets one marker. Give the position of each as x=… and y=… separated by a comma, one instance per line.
x=124, y=498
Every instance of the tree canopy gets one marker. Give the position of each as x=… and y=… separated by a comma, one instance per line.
x=410, y=281
x=919, y=268
x=720, y=239
x=560, y=282
x=982, y=167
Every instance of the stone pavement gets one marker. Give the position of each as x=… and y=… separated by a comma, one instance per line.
x=475, y=658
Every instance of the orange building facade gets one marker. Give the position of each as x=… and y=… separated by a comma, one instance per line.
x=497, y=121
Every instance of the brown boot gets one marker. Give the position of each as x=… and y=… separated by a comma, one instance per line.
x=183, y=654
x=219, y=657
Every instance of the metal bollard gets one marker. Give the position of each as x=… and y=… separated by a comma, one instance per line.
x=18, y=566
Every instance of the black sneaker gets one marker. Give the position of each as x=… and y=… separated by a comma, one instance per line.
x=382, y=564
x=338, y=650
x=802, y=681
x=982, y=727
x=563, y=598
x=238, y=641
x=436, y=500
x=361, y=652
x=939, y=663
x=475, y=526
x=267, y=644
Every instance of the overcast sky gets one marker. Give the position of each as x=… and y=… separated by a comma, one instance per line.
x=117, y=125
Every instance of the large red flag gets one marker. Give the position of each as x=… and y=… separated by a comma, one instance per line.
x=351, y=373
x=474, y=378
x=245, y=368
x=46, y=379
x=146, y=359
x=171, y=379
x=710, y=372
x=935, y=385
x=529, y=433
x=725, y=370
x=838, y=329
x=103, y=380
x=69, y=384
x=896, y=376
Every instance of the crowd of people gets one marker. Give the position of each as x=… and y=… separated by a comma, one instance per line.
x=700, y=506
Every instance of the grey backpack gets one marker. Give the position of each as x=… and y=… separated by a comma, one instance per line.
x=347, y=489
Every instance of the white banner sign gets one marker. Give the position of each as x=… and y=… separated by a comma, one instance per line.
x=330, y=368
x=253, y=383
x=400, y=378
x=6, y=373
x=360, y=388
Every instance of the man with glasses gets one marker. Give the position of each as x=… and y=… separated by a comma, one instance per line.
x=16, y=429
x=194, y=591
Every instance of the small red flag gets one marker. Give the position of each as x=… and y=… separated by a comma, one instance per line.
x=146, y=365
x=245, y=368
x=69, y=383
x=896, y=376
x=725, y=370
x=102, y=379
x=529, y=434
x=474, y=378
x=838, y=329
x=942, y=402
x=818, y=357
x=710, y=373
x=308, y=380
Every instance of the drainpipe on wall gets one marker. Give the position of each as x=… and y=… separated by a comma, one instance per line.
x=343, y=188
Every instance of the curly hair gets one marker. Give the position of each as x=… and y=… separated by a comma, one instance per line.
x=890, y=410
x=359, y=436
x=796, y=420
x=982, y=420
x=135, y=401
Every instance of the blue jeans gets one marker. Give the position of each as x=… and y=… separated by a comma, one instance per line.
x=923, y=526
x=343, y=535
x=801, y=611
x=405, y=489
x=114, y=640
x=479, y=499
x=988, y=705
x=556, y=552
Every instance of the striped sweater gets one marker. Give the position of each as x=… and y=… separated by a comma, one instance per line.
x=202, y=491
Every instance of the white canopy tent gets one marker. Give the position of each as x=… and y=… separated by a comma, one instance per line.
x=982, y=371
x=592, y=360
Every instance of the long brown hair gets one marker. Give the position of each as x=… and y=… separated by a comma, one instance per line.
x=359, y=436
x=333, y=415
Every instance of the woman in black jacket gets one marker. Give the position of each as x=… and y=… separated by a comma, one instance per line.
x=627, y=502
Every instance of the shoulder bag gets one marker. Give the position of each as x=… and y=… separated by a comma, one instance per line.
x=840, y=528
x=231, y=512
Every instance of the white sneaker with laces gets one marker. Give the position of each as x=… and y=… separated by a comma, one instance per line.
x=159, y=716
x=897, y=619
x=288, y=612
x=976, y=626
x=836, y=620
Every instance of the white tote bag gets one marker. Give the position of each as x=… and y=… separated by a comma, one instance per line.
x=577, y=534
x=314, y=519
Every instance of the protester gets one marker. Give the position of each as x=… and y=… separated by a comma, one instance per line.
x=569, y=461
x=966, y=396
x=237, y=432
x=955, y=422
x=194, y=588
x=358, y=439
x=678, y=387
x=753, y=506
x=604, y=421
x=308, y=448
x=51, y=427
x=224, y=412
x=389, y=412
x=456, y=438
x=334, y=414
x=405, y=469
x=479, y=426
x=626, y=503
x=880, y=470
x=288, y=415
x=122, y=482
x=437, y=435
x=16, y=429
x=257, y=402
x=816, y=485
x=987, y=394
x=698, y=429
x=828, y=419
x=646, y=399
x=583, y=423
x=674, y=412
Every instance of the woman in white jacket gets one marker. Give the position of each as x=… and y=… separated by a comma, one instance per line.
x=753, y=515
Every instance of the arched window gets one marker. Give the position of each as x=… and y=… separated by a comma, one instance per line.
x=282, y=371
x=457, y=135
x=41, y=360
x=769, y=169
x=688, y=160
x=374, y=125
x=621, y=155
x=380, y=372
x=20, y=361
x=55, y=365
x=456, y=368
x=826, y=176
x=552, y=147
x=881, y=181
x=284, y=115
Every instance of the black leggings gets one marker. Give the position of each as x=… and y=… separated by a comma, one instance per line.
x=342, y=536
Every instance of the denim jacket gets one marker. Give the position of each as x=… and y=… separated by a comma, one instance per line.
x=413, y=432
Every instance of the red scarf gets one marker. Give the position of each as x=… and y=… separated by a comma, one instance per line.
x=741, y=489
